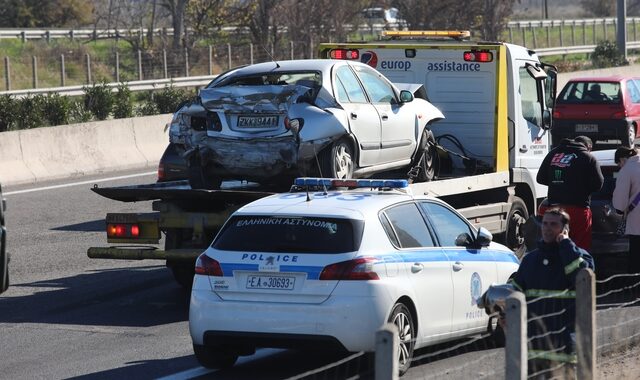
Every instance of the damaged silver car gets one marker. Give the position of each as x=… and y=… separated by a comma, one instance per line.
x=272, y=121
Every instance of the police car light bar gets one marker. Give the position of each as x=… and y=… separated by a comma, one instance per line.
x=351, y=183
x=455, y=34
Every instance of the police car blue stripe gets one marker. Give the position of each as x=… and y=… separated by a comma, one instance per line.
x=228, y=268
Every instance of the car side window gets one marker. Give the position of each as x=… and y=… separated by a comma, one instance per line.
x=634, y=90
x=407, y=226
x=379, y=90
x=346, y=78
x=447, y=224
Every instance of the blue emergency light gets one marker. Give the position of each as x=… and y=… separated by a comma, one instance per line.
x=351, y=183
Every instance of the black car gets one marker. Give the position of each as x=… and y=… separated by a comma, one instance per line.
x=4, y=256
x=172, y=166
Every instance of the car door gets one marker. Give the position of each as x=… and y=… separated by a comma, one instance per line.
x=363, y=117
x=399, y=131
x=472, y=270
x=633, y=110
x=425, y=265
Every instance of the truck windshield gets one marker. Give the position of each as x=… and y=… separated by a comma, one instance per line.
x=290, y=234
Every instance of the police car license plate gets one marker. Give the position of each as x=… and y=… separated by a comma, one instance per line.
x=267, y=121
x=587, y=128
x=270, y=282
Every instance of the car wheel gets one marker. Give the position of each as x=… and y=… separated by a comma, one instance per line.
x=518, y=215
x=214, y=358
x=402, y=319
x=631, y=136
x=426, y=158
x=200, y=179
x=337, y=160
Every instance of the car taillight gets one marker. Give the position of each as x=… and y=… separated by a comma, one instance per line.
x=123, y=230
x=160, y=171
x=356, y=269
x=207, y=266
x=619, y=114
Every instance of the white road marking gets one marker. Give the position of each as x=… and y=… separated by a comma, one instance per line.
x=199, y=371
x=79, y=183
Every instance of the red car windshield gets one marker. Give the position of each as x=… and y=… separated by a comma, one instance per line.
x=591, y=92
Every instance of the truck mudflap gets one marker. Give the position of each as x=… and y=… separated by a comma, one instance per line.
x=143, y=253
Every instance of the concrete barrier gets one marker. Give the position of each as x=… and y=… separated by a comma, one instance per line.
x=34, y=155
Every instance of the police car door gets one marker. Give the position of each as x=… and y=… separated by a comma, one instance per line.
x=472, y=270
x=426, y=267
x=398, y=133
x=363, y=117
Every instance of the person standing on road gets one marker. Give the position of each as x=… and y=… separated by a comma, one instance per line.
x=572, y=173
x=547, y=277
x=625, y=194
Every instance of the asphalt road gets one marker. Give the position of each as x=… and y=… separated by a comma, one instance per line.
x=68, y=316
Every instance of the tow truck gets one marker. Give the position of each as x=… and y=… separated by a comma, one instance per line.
x=496, y=98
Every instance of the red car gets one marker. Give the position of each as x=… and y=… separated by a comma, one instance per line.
x=602, y=108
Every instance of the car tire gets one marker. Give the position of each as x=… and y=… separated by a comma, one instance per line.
x=337, y=161
x=401, y=317
x=426, y=158
x=199, y=178
x=517, y=217
x=213, y=358
x=631, y=136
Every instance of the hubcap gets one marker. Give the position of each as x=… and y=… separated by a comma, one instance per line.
x=632, y=136
x=405, y=336
x=343, y=162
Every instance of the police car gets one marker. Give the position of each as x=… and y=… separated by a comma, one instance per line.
x=318, y=267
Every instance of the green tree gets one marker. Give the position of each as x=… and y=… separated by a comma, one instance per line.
x=600, y=8
x=42, y=14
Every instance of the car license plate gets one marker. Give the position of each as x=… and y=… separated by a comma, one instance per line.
x=270, y=282
x=257, y=121
x=593, y=128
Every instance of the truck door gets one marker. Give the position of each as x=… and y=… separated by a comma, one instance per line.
x=398, y=133
x=363, y=117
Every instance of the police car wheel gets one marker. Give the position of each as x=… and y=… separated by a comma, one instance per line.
x=213, y=358
x=401, y=317
x=337, y=161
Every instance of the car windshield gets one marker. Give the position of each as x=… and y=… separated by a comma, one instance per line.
x=290, y=234
x=588, y=92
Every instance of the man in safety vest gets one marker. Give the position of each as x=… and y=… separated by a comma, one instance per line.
x=547, y=277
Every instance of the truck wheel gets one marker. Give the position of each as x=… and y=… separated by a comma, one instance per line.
x=516, y=218
x=199, y=178
x=426, y=157
x=337, y=161
x=214, y=358
x=401, y=317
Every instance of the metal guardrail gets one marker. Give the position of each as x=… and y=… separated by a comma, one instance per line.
x=550, y=23
x=140, y=85
x=564, y=50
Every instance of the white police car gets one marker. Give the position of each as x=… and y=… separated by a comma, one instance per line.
x=315, y=268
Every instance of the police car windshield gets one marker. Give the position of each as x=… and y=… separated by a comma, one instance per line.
x=290, y=234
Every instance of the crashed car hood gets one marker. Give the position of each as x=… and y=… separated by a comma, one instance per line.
x=274, y=98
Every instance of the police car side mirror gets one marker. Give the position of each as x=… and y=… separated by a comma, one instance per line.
x=406, y=96
x=464, y=240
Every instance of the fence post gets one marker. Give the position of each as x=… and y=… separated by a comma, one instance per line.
x=595, y=28
x=186, y=62
x=7, y=74
x=510, y=34
x=71, y=34
x=562, y=33
x=524, y=37
x=34, y=70
x=210, y=60
x=635, y=34
x=229, y=56
x=573, y=33
x=604, y=28
x=117, y=67
x=584, y=32
x=546, y=28
x=139, y=64
x=251, y=53
x=291, y=46
x=164, y=63
x=88, y=60
x=386, y=364
x=586, y=324
x=533, y=35
x=47, y=36
x=515, y=348
x=62, y=76
x=23, y=36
